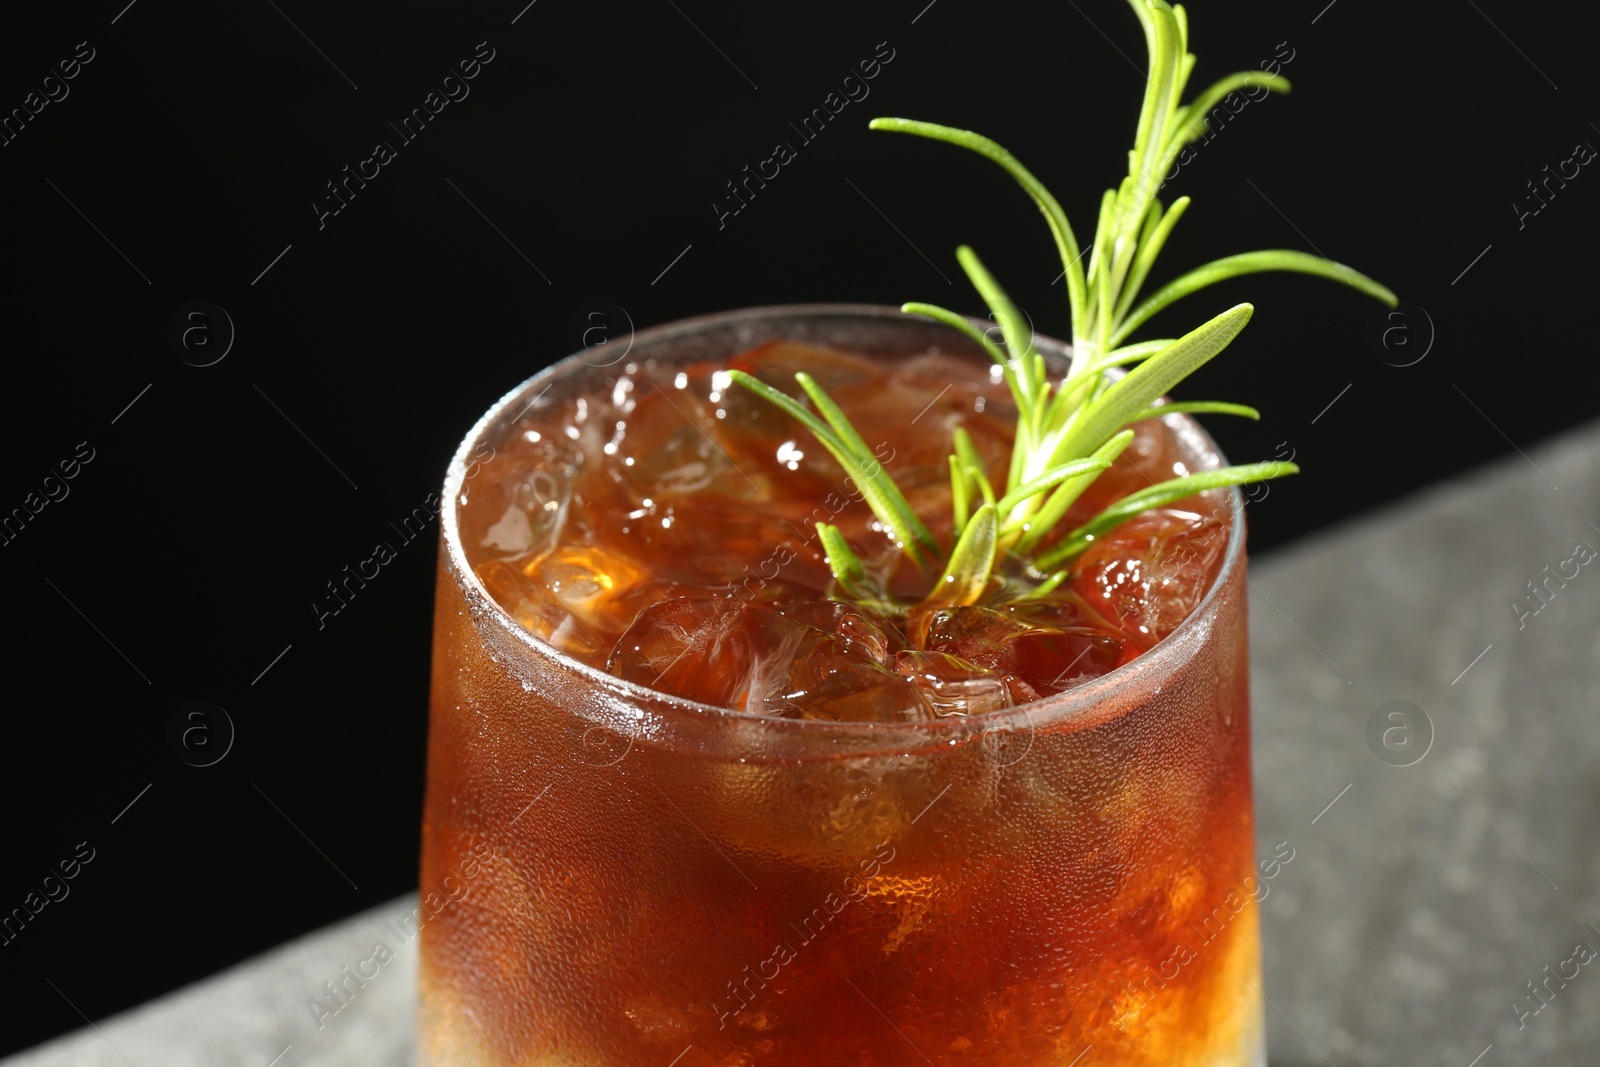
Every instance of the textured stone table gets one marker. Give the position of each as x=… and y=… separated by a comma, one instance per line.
x=1420, y=901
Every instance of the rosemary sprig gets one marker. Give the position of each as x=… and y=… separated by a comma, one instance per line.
x=1069, y=431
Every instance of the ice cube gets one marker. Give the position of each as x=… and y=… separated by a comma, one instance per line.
x=761, y=438
x=519, y=497
x=588, y=582
x=777, y=361
x=1047, y=659
x=684, y=460
x=714, y=650
x=866, y=632
x=1151, y=572
x=511, y=534
x=749, y=657
x=830, y=679
x=951, y=685
x=671, y=445
x=1152, y=456
x=710, y=544
x=533, y=518
x=939, y=392
x=529, y=603
x=936, y=369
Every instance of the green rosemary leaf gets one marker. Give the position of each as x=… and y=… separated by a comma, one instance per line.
x=1013, y=327
x=1198, y=407
x=1135, y=352
x=794, y=409
x=875, y=482
x=1048, y=480
x=1189, y=121
x=973, y=464
x=1060, y=228
x=1142, y=9
x=1172, y=70
x=1140, y=387
x=1145, y=257
x=1098, y=254
x=1153, y=213
x=1074, y=392
x=960, y=322
x=1067, y=493
x=853, y=577
x=1161, y=33
x=1046, y=587
x=1040, y=372
x=1250, y=263
x=1022, y=446
x=877, y=488
x=971, y=562
x=842, y=560
x=1153, y=497
x=960, y=499
x=1182, y=16
x=836, y=417
x=1025, y=370
x=1186, y=65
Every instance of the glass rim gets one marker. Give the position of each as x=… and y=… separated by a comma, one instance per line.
x=1079, y=707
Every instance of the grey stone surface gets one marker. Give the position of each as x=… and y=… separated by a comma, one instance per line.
x=1420, y=904
x=1421, y=899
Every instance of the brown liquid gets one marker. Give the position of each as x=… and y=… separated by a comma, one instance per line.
x=662, y=527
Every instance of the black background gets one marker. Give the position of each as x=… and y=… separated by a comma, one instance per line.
x=188, y=156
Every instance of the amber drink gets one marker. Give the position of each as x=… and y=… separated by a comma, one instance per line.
x=684, y=809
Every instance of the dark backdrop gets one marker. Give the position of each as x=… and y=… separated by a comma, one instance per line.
x=184, y=161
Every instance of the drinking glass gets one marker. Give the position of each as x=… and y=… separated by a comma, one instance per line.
x=615, y=877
